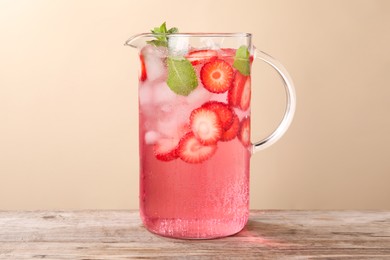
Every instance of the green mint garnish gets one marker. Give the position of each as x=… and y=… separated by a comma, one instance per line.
x=161, y=35
x=181, y=76
x=241, y=61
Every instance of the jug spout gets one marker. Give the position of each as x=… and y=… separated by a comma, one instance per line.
x=137, y=40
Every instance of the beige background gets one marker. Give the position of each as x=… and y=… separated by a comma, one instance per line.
x=68, y=100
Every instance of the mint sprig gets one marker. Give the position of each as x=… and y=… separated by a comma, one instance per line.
x=241, y=61
x=161, y=34
x=181, y=77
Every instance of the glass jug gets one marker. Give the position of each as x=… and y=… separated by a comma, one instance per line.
x=194, y=131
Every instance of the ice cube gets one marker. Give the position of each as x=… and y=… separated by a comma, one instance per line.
x=183, y=114
x=167, y=126
x=145, y=94
x=199, y=96
x=210, y=43
x=163, y=95
x=178, y=45
x=168, y=123
x=154, y=62
x=151, y=137
x=173, y=128
x=155, y=68
x=167, y=108
x=150, y=50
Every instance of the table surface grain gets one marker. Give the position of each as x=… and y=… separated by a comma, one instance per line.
x=269, y=234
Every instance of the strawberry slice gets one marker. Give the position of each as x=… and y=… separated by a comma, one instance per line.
x=143, y=75
x=224, y=112
x=231, y=133
x=234, y=94
x=217, y=76
x=244, y=134
x=246, y=95
x=206, y=125
x=191, y=150
x=165, y=149
x=240, y=93
x=201, y=56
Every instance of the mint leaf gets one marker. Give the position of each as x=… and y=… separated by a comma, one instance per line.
x=173, y=30
x=158, y=43
x=161, y=35
x=241, y=61
x=181, y=76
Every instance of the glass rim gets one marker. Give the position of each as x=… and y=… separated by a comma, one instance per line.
x=195, y=35
x=199, y=34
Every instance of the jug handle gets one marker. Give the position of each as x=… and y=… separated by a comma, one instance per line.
x=290, y=102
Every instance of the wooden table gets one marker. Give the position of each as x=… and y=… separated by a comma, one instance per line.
x=268, y=235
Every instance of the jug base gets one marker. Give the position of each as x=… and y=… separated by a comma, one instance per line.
x=194, y=228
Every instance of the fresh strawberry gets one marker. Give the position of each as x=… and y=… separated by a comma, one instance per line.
x=245, y=100
x=206, y=125
x=244, y=134
x=217, y=76
x=224, y=111
x=191, y=150
x=201, y=56
x=143, y=75
x=231, y=133
x=234, y=94
x=165, y=149
x=240, y=93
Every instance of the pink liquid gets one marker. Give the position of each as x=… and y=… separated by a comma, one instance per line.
x=204, y=200
x=178, y=199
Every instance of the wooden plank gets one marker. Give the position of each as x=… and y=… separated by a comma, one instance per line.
x=268, y=235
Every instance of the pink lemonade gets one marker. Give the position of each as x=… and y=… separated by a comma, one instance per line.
x=194, y=142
